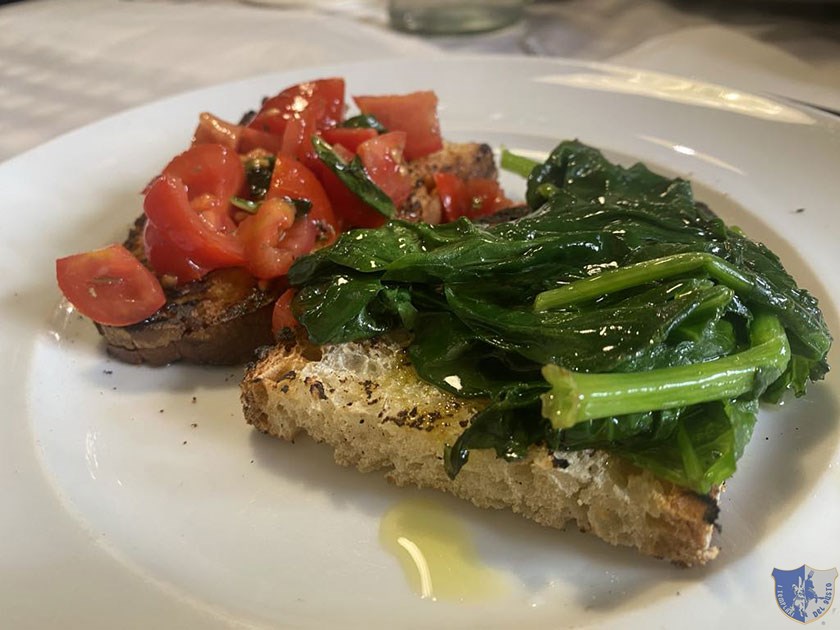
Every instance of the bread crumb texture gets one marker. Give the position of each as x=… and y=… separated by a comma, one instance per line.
x=365, y=400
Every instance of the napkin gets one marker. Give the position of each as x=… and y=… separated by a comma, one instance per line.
x=64, y=64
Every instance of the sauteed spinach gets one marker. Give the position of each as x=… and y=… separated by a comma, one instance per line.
x=620, y=314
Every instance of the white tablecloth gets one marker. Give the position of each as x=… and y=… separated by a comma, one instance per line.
x=64, y=64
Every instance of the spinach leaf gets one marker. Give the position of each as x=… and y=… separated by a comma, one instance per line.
x=588, y=323
x=510, y=425
x=350, y=307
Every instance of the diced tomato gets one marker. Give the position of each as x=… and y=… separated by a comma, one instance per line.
x=282, y=317
x=292, y=179
x=383, y=160
x=189, y=207
x=453, y=195
x=345, y=154
x=273, y=239
x=167, y=259
x=212, y=130
x=251, y=139
x=325, y=97
x=414, y=113
x=110, y=286
x=472, y=198
x=349, y=138
x=208, y=169
x=167, y=206
x=486, y=197
x=215, y=212
x=297, y=136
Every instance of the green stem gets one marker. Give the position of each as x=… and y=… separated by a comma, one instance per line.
x=518, y=164
x=577, y=397
x=633, y=275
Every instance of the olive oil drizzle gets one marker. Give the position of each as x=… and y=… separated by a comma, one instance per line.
x=437, y=554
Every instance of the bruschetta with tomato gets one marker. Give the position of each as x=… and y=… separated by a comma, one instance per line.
x=200, y=273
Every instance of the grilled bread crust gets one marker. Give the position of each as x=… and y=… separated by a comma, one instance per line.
x=364, y=399
x=222, y=318
x=218, y=320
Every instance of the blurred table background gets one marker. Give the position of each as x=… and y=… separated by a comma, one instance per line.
x=64, y=64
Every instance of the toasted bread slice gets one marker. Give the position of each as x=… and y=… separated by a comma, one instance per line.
x=222, y=318
x=365, y=400
x=217, y=320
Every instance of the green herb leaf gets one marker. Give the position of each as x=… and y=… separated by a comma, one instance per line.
x=245, y=204
x=364, y=121
x=301, y=206
x=258, y=173
x=355, y=178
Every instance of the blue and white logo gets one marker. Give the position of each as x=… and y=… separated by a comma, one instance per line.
x=804, y=594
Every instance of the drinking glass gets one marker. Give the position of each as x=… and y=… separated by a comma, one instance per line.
x=439, y=17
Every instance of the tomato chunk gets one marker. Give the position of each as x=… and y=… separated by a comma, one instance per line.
x=382, y=157
x=472, y=198
x=213, y=130
x=485, y=197
x=282, y=317
x=167, y=259
x=167, y=206
x=292, y=179
x=325, y=97
x=250, y=139
x=349, y=138
x=414, y=113
x=297, y=136
x=208, y=169
x=110, y=286
x=273, y=239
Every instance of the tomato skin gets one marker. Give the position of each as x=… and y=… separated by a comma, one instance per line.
x=167, y=259
x=414, y=113
x=472, y=198
x=349, y=138
x=300, y=238
x=214, y=212
x=273, y=238
x=250, y=139
x=486, y=197
x=282, y=317
x=167, y=206
x=297, y=136
x=208, y=169
x=110, y=286
x=382, y=158
x=213, y=130
x=291, y=178
x=453, y=195
x=325, y=97
x=260, y=235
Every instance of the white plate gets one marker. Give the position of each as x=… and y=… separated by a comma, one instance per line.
x=119, y=513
